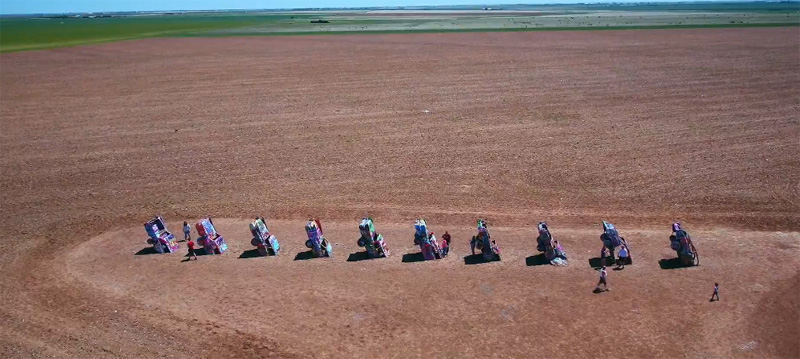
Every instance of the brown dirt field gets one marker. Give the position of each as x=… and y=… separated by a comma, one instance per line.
x=638, y=127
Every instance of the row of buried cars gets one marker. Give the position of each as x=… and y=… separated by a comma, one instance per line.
x=266, y=243
x=163, y=241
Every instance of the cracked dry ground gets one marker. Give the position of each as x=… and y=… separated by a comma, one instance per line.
x=638, y=127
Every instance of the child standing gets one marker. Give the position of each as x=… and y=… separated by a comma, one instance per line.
x=190, y=244
x=445, y=244
x=716, y=293
x=603, y=281
x=604, y=253
x=187, y=231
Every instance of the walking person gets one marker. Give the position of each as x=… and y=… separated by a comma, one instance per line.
x=191, y=254
x=187, y=231
x=603, y=280
x=716, y=293
x=445, y=245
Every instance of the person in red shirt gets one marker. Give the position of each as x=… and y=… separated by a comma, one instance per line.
x=445, y=244
x=190, y=244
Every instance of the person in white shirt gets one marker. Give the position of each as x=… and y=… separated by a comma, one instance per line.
x=187, y=231
x=623, y=257
x=716, y=293
x=603, y=281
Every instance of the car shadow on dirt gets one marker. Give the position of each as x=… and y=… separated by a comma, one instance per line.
x=671, y=263
x=359, y=256
x=150, y=250
x=302, y=256
x=146, y=251
x=537, y=260
x=476, y=259
x=197, y=252
x=598, y=262
x=253, y=253
x=413, y=257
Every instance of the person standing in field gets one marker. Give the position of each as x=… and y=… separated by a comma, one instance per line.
x=445, y=246
x=446, y=237
x=187, y=231
x=603, y=280
x=623, y=257
x=191, y=254
x=716, y=293
x=604, y=253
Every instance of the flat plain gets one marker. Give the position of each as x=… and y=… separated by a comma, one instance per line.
x=641, y=128
x=46, y=31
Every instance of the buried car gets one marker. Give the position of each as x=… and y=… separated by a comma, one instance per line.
x=611, y=241
x=551, y=248
x=266, y=243
x=484, y=243
x=682, y=244
x=316, y=240
x=426, y=241
x=211, y=241
x=159, y=236
x=371, y=240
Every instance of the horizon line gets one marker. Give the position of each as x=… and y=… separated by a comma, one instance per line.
x=490, y=7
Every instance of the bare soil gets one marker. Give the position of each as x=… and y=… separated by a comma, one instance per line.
x=638, y=127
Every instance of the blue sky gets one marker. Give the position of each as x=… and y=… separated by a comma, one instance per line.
x=58, y=6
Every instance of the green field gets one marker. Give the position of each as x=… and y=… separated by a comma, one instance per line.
x=33, y=33
x=17, y=34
